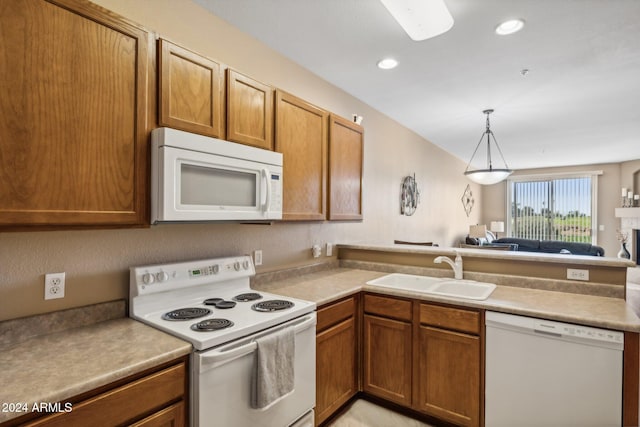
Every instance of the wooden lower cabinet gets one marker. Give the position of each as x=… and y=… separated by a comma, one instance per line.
x=449, y=375
x=387, y=359
x=158, y=399
x=425, y=357
x=447, y=364
x=388, y=347
x=336, y=357
x=173, y=416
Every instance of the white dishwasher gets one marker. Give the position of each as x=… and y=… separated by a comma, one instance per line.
x=543, y=373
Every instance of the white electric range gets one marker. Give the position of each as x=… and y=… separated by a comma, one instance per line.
x=210, y=304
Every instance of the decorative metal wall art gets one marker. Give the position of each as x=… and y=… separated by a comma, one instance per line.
x=467, y=200
x=409, y=195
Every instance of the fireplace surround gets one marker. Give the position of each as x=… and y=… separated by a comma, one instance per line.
x=630, y=224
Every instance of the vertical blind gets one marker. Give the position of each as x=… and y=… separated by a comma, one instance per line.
x=553, y=209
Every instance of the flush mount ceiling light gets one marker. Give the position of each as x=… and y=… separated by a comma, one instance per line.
x=421, y=19
x=387, y=63
x=509, y=27
x=490, y=175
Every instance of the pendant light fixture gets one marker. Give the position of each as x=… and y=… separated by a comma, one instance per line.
x=490, y=175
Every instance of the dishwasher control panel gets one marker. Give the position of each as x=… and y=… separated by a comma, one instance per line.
x=578, y=331
x=554, y=329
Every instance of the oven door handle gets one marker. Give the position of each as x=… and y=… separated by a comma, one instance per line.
x=214, y=358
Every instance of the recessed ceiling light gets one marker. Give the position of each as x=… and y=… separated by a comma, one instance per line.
x=509, y=27
x=387, y=63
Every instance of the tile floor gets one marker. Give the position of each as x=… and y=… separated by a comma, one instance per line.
x=366, y=414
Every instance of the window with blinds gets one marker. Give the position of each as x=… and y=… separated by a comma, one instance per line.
x=553, y=208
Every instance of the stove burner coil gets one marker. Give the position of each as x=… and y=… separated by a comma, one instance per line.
x=187, y=313
x=211, y=325
x=225, y=304
x=219, y=303
x=250, y=296
x=272, y=305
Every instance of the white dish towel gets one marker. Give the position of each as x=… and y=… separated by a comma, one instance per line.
x=274, y=371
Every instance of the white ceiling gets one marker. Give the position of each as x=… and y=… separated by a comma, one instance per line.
x=579, y=103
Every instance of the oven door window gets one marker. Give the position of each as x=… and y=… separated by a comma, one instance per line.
x=217, y=187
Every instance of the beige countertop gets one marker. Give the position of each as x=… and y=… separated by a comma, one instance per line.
x=57, y=366
x=329, y=285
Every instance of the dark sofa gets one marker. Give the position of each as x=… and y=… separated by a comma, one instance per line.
x=552, y=246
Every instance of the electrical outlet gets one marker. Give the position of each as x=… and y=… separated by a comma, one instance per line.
x=329, y=249
x=316, y=250
x=577, y=274
x=257, y=257
x=54, y=285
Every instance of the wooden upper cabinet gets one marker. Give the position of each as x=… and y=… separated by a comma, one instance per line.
x=301, y=136
x=346, y=149
x=74, y=115
x=249, y=111
x=191, y=91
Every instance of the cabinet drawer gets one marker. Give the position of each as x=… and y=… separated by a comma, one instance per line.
x=123, y=404
x=388, y=307
x=335, y=313
x=450, y=318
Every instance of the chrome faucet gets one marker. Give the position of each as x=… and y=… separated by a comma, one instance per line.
x=457, y=265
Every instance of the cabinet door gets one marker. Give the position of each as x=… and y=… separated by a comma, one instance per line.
x=191, y=91
x=449, y=376
x=336, y=368
x=301, y=137
x=387, y=359
x=128, y=402
x=73, y=115
x=346, y=149
x=173, y=416
x=249, y=111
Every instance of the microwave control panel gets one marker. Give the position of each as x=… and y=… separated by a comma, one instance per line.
x=276, y=192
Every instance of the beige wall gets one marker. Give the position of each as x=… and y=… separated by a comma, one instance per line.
x=97, y=262
x=630, y=176
x=494, y=200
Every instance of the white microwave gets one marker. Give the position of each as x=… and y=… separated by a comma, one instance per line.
x=195, y=178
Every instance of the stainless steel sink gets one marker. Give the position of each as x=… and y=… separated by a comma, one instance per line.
x=458, y=288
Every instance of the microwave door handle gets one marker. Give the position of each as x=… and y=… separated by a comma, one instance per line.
x=267, y=200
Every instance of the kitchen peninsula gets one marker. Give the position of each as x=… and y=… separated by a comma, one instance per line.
x=345, y=300
x=381, y=333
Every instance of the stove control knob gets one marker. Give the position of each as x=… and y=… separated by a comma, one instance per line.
x=148, y=278
x=163, y=276
x=216, y=269
x=236, y=265
x=245, y=264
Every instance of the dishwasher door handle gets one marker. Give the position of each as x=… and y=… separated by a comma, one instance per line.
x=551, y=334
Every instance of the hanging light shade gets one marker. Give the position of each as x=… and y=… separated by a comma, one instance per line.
x=490, y=175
